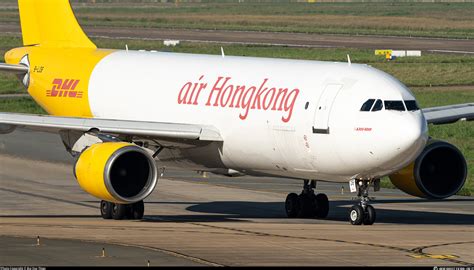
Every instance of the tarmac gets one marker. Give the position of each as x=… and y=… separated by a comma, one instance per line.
x=193, y=220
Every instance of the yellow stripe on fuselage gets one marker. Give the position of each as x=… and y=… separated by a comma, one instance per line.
x=59, y=77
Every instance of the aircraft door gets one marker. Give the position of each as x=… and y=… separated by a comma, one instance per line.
x=323, y=109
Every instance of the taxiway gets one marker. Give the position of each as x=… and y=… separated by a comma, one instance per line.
x=214, y=220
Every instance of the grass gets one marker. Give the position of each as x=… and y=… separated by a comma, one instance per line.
x=452, y=20
x=20, y=105
x=449, y=71
x=430, y=69
x=9, y=84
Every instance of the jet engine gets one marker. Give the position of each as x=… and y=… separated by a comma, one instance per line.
x=116, y=172
x=437, y=173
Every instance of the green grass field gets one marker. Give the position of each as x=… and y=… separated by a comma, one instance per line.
x=430, y=69
x=453, y=20
x=453, y=72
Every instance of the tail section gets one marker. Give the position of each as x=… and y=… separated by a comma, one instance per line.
x=52, y=24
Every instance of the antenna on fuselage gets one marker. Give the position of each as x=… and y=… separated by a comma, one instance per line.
x=348, y=60
x=126, y=47
x=222, y=52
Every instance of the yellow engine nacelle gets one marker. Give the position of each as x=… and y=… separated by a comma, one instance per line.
x=437, y=173
x=116, y=172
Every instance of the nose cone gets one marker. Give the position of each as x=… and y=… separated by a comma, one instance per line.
x=406, y=135
x=415, y=134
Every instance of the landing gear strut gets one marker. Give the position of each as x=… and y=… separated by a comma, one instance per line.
x=307, y=204
x=362, y=213
x=109, y=210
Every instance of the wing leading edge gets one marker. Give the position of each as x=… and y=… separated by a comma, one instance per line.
x=9, y=121
x=449, y=114
x=16, y=69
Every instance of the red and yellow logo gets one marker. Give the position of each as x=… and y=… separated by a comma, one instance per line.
x=64, y=88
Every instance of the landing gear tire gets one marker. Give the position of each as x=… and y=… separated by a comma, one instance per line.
x=292, y=205
x=137, y=210
x=356, y=215
x=106, y=209
x=369, y=216
x=322, y=205
x=307, y=206
x=119, y=211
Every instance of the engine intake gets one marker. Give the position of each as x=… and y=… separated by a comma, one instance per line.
x=437, y=173
x=116, y=172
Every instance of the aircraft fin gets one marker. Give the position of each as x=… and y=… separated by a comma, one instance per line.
x=51, y=24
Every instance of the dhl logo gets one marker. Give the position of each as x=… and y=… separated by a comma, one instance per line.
x=64, y=88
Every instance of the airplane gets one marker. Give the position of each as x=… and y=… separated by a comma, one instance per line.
x=127, y=115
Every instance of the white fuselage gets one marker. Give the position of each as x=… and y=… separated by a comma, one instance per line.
x=290, y=118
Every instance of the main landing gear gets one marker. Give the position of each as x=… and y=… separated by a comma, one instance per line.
x=307, y=204
x=362, y=213
x=109, y=210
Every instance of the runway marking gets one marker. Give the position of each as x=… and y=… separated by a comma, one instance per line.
x=416, y=253
x=449, y=258
x=82, y=226
x=433, y=256
x=165, y=251
x=413, y=252
x=169, y=252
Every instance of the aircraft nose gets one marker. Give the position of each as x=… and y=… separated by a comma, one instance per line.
x=395, y=140
x=414, y=131
x=409, y=138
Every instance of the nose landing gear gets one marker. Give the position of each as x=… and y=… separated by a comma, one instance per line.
x=362, y=213
x=307, y=204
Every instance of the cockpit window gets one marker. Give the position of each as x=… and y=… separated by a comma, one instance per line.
x=396, y=105
x=411, y=105
x=367, y=105
x=378, y=106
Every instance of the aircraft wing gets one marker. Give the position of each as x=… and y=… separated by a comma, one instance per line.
x=17, y=69
x=135, y=129
x=449, y=114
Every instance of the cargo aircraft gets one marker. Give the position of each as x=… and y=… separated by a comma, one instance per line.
x=126, y=115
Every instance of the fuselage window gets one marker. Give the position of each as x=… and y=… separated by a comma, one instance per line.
x=395, y=105
x=411, y=105
x=378, y=106
x=367, y=105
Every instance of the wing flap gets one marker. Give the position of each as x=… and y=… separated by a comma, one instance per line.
x=449, y=114
x=119, y=127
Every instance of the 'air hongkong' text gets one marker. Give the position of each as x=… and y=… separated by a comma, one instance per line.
x=225, y=94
